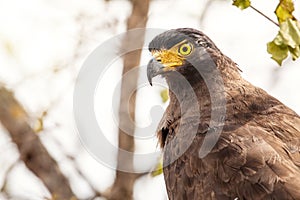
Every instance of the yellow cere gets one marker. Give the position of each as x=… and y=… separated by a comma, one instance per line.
x=168, y=58
x=174, y=56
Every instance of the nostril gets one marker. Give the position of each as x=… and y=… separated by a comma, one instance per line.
x=158, y=60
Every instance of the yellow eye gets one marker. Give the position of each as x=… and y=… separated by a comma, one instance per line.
x=185, y=49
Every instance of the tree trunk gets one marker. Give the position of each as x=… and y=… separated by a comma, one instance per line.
x=122, y=188
x=35, y=156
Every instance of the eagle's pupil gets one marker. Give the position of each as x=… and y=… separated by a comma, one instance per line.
x=184, y=49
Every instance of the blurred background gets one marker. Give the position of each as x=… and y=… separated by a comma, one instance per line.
x=43, y=45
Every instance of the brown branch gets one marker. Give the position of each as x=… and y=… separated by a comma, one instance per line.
x=124, y=181
x=35, y=156
x=268, y=18
x=97, y=193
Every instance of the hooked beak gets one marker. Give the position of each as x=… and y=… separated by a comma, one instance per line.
x=164, y=61
x=154, y=68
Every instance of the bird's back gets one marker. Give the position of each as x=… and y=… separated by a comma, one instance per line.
x=256, y=157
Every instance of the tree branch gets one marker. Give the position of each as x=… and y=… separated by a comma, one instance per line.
x=124, y=181
x=35, y=156
x=268, y=18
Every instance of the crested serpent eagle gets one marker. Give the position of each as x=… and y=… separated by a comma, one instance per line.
x=222, y=137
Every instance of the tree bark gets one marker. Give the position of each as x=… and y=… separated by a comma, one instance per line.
x=124, y=181
x=35, y=156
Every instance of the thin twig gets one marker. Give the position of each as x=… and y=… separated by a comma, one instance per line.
x=268, y=18
x=97, y=193
x=79, y=172
x=205, y=10
x=7, y=173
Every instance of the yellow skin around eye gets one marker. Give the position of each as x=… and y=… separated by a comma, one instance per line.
x=185, y=49
x=173, y=57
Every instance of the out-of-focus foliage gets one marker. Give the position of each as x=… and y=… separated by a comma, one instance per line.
x=287, y=40
x=38, y=125
x=9, y=47
x=164, y=94
x=284, y=10
x=158, y=168
x=241, y=4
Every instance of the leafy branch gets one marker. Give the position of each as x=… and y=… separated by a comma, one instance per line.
x=287, y=41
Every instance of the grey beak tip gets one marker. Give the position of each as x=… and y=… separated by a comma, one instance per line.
x=153, y=69
x=149, y=76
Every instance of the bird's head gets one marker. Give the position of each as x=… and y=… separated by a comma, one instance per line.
x=176, y=50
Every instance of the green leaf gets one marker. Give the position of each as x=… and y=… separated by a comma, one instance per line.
x=284, y=10
x=164, y=94
x=38, y=125
x=295, y=52
x=278, y=40
x=158, y=168
x=278, y=52
x=287, y=40
x=241, y=4
x=290, y=32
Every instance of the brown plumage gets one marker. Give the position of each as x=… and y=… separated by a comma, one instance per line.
x=256, y=156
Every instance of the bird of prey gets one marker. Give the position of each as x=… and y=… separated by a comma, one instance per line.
x=222, y=137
